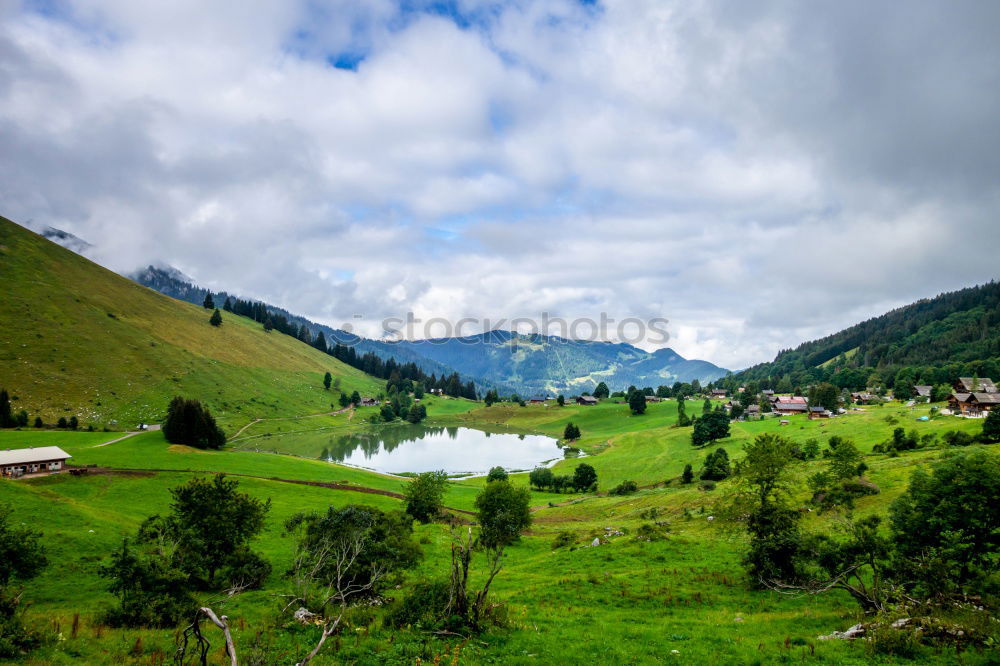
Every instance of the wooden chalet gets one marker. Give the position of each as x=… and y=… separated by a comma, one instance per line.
x=718, y=394
x=975, y=385
x=537, y=400
x=973, y=404
x=586, y=400
x=923, y=391
x=41, y=460
x=819, y=413
x=790, y=405
x=368, y=402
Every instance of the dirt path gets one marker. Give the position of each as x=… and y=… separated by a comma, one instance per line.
x=125, y=436
x=291, y=418
x=317, y=484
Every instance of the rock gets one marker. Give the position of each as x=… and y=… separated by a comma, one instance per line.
x=305, y=616
x=857, y=631
x=596, y=541
x=710, y=518
x=737, y=619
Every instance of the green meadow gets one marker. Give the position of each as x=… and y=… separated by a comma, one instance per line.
x=627, y=601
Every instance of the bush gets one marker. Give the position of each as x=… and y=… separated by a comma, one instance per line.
x=624, y=488
x=885, y=640
x=423, y=607
x=716, y=467
x=651, y=532
x=707, y=485
x=424, y=495
x=541, y=478
x=503, y=512
x=563, y=539
x=190, y=423
x=496, y=474
x=688, y=475
x=958, y=438
x=584, y=478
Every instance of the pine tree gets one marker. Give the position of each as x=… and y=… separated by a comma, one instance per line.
x=682, y=417
x=216, y=319
x=208, y=304
x=688, y=475
x=6, y=417
x=228, y=305
x=268, y=324
x=38, y=422
x=320, y=342
x=327, y=379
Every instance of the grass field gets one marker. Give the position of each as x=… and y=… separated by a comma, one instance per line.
x=624, y=602
x=81, y=340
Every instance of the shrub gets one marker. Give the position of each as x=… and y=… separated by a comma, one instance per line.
x=503, y=512
x=651, y=532
x=688, y=475
x=584, y=478
x=958, y=438
x=424, y=495
x=707, y=485
x=496, y=474
x=624, y=488
x=563, y=539
x=541, y=478
x=716, y=467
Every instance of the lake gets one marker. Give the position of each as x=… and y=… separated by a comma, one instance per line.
x=394, y=449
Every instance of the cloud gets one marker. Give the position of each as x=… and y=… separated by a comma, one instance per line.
x=758, y=175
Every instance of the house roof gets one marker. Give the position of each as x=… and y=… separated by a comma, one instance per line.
x=795, y=400
x=792, y=406
x=32, y=455
x=922, y=390
x=818, y=410
x=987, y=398
x=587, y=398
x=985, y=384
x=961, y=397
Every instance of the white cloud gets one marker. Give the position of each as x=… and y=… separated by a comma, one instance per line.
x=757, y=175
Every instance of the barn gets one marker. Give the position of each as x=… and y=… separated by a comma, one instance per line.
x=41, y=460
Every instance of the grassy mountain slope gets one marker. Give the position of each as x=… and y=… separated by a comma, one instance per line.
x=532, y=363
x=173, y=283
x=956, y=328
x=81, y=340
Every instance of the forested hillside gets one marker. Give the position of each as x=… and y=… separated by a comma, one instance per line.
x=931, y=341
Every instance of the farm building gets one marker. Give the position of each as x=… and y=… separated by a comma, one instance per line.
x=923, y=391
x=538, y=399
x=586, y=400
x=818, y=413
x=718, y=394
x=41, y=460
x=368, y=402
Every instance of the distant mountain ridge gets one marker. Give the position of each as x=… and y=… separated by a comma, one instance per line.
x=552, y=364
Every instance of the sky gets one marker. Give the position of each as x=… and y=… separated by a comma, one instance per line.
x=759, y=174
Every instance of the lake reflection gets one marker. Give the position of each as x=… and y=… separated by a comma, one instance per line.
x=409, y=448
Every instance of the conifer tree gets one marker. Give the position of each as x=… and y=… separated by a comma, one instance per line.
x=208, y=304
x=228, y=305
x=216, y=319
x=327, y=379
x=6, y=417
